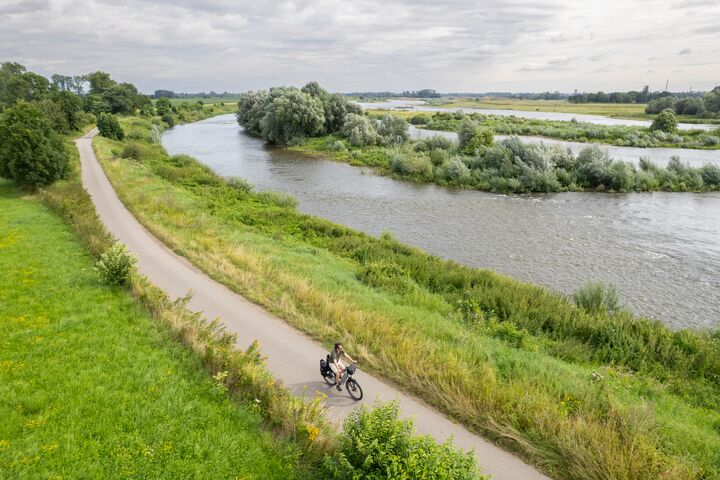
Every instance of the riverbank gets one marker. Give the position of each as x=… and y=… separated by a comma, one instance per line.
x=92, y=386
x=398, y=307
x=575, y=131
x=511, y=166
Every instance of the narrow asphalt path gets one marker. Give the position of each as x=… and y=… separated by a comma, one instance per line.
x=292, y=356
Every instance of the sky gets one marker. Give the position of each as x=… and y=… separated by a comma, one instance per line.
x=371, y=45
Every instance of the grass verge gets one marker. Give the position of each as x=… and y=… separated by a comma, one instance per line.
x=581, y=395
x=92, y=387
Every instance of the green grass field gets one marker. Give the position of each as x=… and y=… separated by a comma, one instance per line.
x=584, y=396
x=92, y=387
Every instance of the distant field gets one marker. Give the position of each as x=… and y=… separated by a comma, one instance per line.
x=207, y=101
x=92, y=387
x=618, y=110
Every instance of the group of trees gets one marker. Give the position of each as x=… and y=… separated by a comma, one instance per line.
x=286, y=115
x=35, y=112
x=706, y=106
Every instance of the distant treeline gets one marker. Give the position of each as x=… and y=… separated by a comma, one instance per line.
x=211, y=94
x=633, y=96
x=705, y=106
x=430, y=93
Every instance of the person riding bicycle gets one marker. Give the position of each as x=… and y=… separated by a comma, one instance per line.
x=336, y=364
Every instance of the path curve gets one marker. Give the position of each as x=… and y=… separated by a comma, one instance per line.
x=292, y=356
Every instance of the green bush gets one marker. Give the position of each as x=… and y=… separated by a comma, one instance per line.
x=239, y=184
x=412, y=165
x=359, y=130
x=168, y=119
x=31, y=153
x=597, y=298
x=377, y=445
x=109, y=126
x=132, y=151
x=665, y=121
x=116, y=264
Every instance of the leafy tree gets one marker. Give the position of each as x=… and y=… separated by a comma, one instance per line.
x=291, y=115
x=164, y=94
x=665, y=122
x=18, y=84
x=70, y=105
x=63, y=82
x=31, y=153
x=472, y=135
x=109, y=126
x=163, y=106
x=660, y=104
x=96, y=104
x=99, y=82
x=712, y=100
x=392, y=130
x=314, y=89
x=251, y=109
x=359, y=130
x=336, y=108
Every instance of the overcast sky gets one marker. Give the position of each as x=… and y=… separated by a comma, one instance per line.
x=349, y=45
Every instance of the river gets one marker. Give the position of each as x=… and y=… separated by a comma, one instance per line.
x=661, y=250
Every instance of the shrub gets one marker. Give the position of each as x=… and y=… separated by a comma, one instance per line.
x=392, y=131
x=109, y=127
x=710, y=174
x=593, y=167
x=415, y=165
x=472, y=135
x=377, y=445
x=31, y=153
x=597, y=298
x=418, y=119
x=168, y=119
x=277, y=198
x=666, y=122
x=239, y=184
x=359, y=130
x=131, y=151
x=386, y=275
x=155, y=135
x=456, y=170
x=435, y=142
x=438, y=157
x=659, y=104
x=116, y=264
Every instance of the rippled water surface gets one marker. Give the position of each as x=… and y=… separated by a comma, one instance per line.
x=662, y=250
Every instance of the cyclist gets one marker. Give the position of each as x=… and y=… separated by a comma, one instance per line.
x=336, y=364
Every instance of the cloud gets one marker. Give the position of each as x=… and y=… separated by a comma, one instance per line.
x=685, y=51
x=550, y=65
x=451, y=45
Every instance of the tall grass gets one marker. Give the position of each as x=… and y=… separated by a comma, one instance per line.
x=584, y=395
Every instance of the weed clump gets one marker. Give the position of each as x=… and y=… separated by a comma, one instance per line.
x=116, y=264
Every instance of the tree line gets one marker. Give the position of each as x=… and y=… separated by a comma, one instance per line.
x=706, y=106
x=35, y=113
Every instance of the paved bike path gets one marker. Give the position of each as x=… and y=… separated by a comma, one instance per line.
x=292, y=356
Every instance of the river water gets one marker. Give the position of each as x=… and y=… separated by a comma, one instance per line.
x=661, y=250
x=421, y=106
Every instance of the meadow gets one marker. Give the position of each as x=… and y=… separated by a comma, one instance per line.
x=582, y=394
x=92, y=387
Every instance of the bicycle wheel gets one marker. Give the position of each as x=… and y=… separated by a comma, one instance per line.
x=354, y=389
x=329, y=378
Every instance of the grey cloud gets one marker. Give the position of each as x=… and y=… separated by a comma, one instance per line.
x=685, y=51
x=358, y=45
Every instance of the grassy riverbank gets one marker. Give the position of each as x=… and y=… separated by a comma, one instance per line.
x=582, y=395
x=92, y=387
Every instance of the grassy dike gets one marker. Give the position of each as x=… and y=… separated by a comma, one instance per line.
x=92, y=387
x=583, y=396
